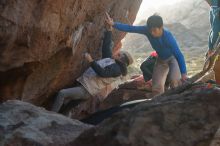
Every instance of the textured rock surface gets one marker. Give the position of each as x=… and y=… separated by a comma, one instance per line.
x=134, y=89
x=189, y=119
x=126, y=92
x=42, y=42
x=23, y=124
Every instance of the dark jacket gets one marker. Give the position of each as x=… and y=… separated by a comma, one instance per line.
x=113, y=70
x=147, y=67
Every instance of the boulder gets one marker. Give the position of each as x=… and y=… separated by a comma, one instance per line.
x=187, y=119
x=42, y=43
x=23, y=124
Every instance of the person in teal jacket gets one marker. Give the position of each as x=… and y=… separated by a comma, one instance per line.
x=214, y=33
x=214, y=22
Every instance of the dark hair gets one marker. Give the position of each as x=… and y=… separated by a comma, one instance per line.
x=123, y=67
x=154, y=21
x=124, y=59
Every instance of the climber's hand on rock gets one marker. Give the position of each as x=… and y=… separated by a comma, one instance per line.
x=109, y=20
x=88, y=57
x=184, y=78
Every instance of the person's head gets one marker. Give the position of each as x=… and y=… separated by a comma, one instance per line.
x=155, y=25
x=124, y=57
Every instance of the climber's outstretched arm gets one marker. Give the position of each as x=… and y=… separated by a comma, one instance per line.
x=107, y=45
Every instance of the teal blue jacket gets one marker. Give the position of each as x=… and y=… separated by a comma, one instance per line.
x=215, y=23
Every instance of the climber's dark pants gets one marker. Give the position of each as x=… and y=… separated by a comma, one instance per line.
x=64, y=96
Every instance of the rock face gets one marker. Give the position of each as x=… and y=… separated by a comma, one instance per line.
x=23, y=124
x=43, y=41
x=189, y=119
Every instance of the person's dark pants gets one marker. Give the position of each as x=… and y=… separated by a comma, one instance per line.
x=64, y=96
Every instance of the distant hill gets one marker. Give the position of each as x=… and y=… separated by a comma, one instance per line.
x=188, y=20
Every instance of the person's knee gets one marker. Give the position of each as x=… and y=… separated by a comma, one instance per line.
x=61, y=93
x=174, y=83
x=157, y=89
